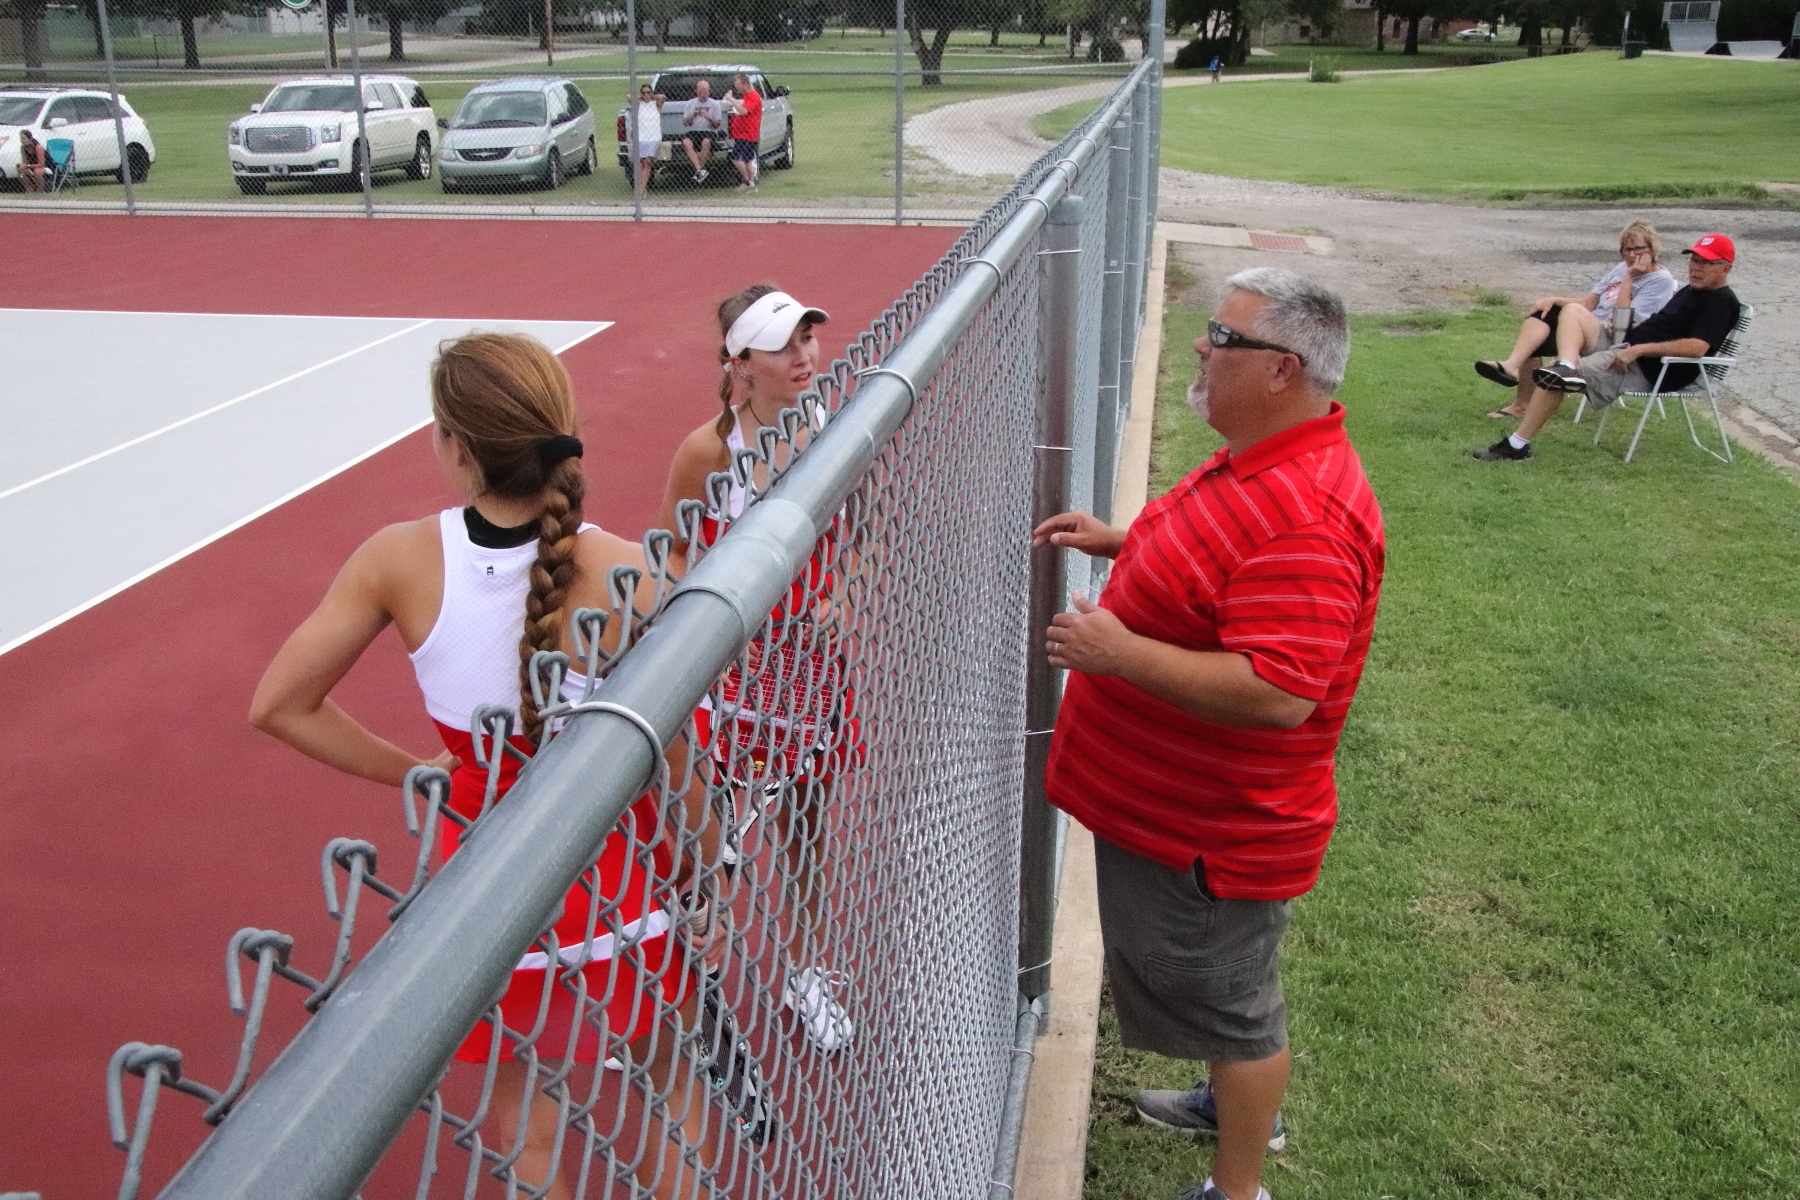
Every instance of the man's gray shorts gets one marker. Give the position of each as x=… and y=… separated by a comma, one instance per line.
x=1192, y=976
x=1605, y=385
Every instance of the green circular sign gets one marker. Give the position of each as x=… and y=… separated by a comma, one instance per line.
x=298, y=5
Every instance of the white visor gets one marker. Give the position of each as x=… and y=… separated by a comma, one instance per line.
x=769, y=323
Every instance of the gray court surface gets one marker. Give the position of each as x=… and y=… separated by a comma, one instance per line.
x=157, y=433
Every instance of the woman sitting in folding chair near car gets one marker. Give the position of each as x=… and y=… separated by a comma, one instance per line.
x=32, y=162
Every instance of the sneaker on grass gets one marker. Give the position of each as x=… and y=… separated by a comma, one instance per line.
x=1194, y=1112
x=1213, y=1193
x=1501, y=451
x=812, y=994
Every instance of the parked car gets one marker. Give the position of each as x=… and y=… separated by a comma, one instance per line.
x=85, y=118
x=775, y=148
x=306, y=129
x=518, y=131
x=1477, y=34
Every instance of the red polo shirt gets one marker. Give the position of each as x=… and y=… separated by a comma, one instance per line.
x=1276, y=553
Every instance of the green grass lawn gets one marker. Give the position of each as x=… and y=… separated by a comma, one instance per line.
x=1581, y=127
x=1553, y=950
x=844, y=132
x=1296, y=56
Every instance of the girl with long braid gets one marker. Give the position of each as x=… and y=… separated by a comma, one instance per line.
x=774, y=761
x=474, y=592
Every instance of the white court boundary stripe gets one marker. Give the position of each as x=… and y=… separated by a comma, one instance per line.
x=238, y=524
x=141, y=438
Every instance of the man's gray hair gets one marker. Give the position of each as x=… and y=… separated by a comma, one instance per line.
x=1303, y=316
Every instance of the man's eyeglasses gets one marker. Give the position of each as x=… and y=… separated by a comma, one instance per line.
x=1224, y=337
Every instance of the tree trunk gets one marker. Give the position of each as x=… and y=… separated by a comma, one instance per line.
x=91, y=10
x=190, y=44
x=931, y=58
x=1568, y=30
x=1531, y=34
x=994, y=35
x=31, y=36
x=396, y=38
x=1412, y=35
x=662, y=34
x=331, y=60
x=1380, y=30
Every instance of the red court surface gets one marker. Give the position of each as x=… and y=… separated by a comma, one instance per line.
x=144, y=822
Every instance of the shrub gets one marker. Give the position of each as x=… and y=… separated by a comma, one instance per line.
x=1106, y=49
x=1322, y=70
x=1196, y=54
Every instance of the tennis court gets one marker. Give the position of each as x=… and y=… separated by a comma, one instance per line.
x=203, y=418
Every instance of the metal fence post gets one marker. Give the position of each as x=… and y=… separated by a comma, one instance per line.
x=112, y=85
x=1059, y=311
x=362, y=124
x=1112, y=318
x=631, y=103
x=899, y=111
x=1133, y=263
x=1158, y=23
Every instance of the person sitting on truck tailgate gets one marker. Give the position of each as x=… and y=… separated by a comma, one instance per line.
x=745, y=106
x=704, y=120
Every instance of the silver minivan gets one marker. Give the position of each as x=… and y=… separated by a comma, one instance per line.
x=513, y=131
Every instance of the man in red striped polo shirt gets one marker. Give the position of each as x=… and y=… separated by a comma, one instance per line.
x=1206, y=694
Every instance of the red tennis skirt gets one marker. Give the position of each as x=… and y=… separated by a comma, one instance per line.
x=635, y=959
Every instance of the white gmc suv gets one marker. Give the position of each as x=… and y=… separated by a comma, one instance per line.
x=307, y=128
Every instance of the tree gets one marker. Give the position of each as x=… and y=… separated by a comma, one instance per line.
x=395, y=13
x=30, y=14
x=1412, y=12
x=941, y=18
x=188, y=13
x=659, y=15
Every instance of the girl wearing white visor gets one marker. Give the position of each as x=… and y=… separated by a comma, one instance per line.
x=779, y=724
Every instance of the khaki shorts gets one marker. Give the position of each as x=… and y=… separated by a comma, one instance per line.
x=1192, y=976
x=1605, y=385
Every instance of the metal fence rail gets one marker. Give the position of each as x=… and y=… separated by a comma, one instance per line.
x=812, y=868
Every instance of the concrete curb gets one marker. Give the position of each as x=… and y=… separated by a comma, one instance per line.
x=1053, y=1147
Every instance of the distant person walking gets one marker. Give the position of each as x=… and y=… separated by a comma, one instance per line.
x=648, y=133
x=1215, y=66
x=745, y=106
x=704, y=121
x=1206, y=694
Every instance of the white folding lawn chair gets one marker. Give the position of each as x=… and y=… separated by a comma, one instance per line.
x=1713, y=369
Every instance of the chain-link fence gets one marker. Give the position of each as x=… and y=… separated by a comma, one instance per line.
x=398, y=107
x=769, y=915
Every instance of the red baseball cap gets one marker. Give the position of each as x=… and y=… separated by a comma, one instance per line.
x=1714, y=247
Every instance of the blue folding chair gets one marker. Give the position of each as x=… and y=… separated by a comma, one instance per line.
x=59, y=154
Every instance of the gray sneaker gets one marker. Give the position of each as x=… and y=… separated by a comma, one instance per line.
x=1213, y=1193
x=1193, y=1112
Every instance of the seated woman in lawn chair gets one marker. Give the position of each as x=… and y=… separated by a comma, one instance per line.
x=1634, y=290
x=32, y=162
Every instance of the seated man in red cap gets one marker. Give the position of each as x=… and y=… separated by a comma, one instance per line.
x=1693, y=324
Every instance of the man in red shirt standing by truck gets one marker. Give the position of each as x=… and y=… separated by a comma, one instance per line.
x=745, y=106
x=1206, y=693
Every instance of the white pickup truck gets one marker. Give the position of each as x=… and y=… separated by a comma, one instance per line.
x=306, y=128
x=776, y=146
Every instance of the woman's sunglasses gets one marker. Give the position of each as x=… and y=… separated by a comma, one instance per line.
x=1224, y=337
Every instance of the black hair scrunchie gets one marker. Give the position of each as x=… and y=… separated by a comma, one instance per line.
x=553, y=450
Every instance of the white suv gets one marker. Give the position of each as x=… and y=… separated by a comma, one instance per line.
x=306, y=128
x=85, y=118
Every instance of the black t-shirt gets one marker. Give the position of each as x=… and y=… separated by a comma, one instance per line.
x=1708, y=315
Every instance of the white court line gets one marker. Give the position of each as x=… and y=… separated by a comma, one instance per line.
x=270, y=507
x=207, y=412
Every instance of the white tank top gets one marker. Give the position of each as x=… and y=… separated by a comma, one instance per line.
x=471, y=657
x=734, y=441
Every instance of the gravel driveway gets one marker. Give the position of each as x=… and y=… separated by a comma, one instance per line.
x=1394, y=254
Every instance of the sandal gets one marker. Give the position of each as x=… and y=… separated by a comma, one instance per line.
x=1494, y=371
x=1501, y=414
